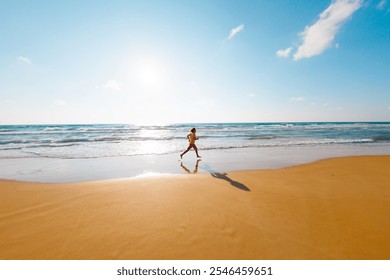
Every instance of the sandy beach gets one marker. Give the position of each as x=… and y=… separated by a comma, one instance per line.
x=331, y=209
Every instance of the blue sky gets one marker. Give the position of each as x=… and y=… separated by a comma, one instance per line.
x=148, y=62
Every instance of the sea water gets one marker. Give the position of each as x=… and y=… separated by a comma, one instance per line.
x=105, y=140
x=70, y=153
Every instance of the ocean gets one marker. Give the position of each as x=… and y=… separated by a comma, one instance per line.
x=118, y=140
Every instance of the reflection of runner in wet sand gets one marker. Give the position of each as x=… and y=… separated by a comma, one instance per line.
x=191, y=138
x=195, y=170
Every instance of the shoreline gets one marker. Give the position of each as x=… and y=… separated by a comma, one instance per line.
x=331, y=209
x=57, y=170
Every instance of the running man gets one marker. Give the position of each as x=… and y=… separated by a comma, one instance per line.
x=191, y=138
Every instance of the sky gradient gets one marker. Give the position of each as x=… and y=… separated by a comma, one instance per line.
x=159, y=62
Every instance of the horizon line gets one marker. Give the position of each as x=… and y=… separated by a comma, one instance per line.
x=188, y=123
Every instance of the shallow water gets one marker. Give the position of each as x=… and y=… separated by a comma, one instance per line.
x=57, y=170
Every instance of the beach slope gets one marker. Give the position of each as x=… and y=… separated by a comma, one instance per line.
x=331, y=209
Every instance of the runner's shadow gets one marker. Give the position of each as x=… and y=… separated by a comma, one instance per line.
x=223, y=176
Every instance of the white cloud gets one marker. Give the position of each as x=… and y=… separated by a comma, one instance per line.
x=24, y=59
x=381, y=5
x=252, y=94
x=9, y=101
x=113, y=85
x=284, y=53
x=319, y=36
x=235, y=31
x=60, y=102
x=298, y=99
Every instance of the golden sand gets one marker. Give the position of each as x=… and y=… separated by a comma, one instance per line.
x=330, y=209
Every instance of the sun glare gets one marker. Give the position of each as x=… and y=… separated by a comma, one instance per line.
x=151, y=73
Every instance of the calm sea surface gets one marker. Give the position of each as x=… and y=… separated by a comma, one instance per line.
x=95, y=141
